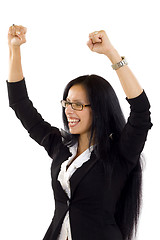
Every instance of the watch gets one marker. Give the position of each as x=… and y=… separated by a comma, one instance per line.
x=120, y=64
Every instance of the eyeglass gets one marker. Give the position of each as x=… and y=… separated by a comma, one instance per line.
x=75, y=106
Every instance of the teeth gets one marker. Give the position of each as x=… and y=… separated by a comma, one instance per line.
x=73, y=120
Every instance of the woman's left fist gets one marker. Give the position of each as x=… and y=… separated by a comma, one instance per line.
x=99, y=42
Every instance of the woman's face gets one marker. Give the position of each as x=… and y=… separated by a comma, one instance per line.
x=79, y=122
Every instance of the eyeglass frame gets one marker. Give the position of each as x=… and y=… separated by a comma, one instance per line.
x=70, y=103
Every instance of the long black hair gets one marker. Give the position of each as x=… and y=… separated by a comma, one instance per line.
x=107, y=125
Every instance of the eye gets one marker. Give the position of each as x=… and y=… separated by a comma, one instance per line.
x=77, y=106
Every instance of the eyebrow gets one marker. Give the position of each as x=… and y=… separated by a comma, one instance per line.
x=76, y=100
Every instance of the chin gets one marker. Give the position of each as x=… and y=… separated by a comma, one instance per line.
x=72, y=131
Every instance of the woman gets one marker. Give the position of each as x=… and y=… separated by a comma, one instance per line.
x=96, y=165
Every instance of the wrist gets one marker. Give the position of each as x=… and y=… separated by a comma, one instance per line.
x=14, y=51
x=14, y=47
x=113, y=56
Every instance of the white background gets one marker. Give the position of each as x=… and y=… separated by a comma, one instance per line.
x=55, y=53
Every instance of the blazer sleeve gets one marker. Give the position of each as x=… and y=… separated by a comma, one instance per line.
x=134, y=134
x=42, y=132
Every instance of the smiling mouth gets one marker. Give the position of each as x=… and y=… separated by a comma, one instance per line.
x=73, y=122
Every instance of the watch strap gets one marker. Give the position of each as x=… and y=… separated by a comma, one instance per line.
x=120, y=64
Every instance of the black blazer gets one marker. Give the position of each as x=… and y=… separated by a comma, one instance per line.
x=93, y=201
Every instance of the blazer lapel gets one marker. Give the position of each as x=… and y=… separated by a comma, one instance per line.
x=56, y=183
x=79, y=174
x=56, y=166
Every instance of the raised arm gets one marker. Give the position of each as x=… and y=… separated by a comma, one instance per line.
x=100, y=43
x=41, y=131
x=134, y=134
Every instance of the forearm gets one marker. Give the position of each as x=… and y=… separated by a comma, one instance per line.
x=128, y=81
x=15, y=66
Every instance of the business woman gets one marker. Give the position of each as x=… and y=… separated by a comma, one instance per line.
x=96, y=160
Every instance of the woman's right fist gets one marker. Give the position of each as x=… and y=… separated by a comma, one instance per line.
x=16, y=35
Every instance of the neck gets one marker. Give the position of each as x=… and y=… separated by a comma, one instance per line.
x=83, y=143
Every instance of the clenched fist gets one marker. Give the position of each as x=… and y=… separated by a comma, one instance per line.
x=99, y=42
x=16, y=35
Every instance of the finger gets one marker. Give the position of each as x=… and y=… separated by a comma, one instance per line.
x=22, y=29
x=96, y=37
x=12, y=29
x=90, y=44
x=23, y=39
x=18, y=35
x=99, y=33
x=17, y=30
x=96, y=40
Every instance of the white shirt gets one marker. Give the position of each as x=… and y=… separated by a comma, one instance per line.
x=64, y=177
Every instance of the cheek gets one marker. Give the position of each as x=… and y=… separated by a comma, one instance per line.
x=90, y=116
x=87, y=119
x=90, y=120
